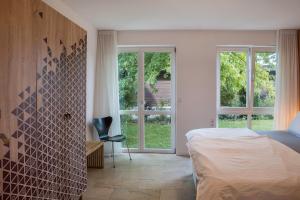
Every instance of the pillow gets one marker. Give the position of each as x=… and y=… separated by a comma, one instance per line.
x=294, y=127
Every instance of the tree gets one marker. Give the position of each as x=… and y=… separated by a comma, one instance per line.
x=233, y=76
x=234, y=79
x=128, y=76
x=157, y=66
x=264, y=85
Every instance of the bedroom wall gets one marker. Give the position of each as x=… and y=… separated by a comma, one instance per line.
x=196, y=70
x=91, y=56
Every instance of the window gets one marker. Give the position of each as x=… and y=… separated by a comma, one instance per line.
x=246, y=87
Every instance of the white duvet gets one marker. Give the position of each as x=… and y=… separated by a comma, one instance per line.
x=238, y=164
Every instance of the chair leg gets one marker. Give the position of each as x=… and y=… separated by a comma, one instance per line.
x=128, y=150
x=113, y=153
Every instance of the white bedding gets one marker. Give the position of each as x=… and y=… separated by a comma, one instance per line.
x=220, y=132
x=238, y=164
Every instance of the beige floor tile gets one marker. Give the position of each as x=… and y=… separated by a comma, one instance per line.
x=120, y=194
x=177, y=194
x=141, y=195
x=100, y=193
x=146, y=177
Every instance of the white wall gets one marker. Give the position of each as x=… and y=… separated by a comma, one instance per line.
x=196, y=69
x=91, y=55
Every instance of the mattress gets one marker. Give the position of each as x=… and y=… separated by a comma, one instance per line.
x=243, y=165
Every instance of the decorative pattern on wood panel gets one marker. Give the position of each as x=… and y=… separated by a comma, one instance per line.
x=46, y=159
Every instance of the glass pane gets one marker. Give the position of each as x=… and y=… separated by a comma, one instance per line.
x=158, y=131
x=264, y=84
x=128, y=80
x=232, y=121
x=233, y=79
x=129, y=128
x=157, y=81
x=262, y=122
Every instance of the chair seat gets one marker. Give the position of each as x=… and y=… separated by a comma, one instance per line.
x=116, y=138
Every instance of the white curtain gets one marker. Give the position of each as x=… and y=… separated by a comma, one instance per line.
x=106, y=97
x=287, y=85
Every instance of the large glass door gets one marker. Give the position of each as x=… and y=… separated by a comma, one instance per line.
x=147, y=93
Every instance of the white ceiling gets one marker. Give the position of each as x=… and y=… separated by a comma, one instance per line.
x=189, y=14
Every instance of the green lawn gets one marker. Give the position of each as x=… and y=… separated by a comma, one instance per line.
x=158, y=135
x=262, y=124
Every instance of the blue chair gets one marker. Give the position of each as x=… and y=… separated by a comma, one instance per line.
x=102, y=126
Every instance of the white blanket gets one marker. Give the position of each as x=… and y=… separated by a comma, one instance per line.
x=237, y=164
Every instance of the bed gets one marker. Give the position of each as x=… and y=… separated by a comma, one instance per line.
x=285, y=137
x=241, y=164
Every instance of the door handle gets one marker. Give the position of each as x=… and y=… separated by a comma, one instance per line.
x=67, y=116
x=4, y=139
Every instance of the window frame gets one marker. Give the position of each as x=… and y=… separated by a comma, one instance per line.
x=140, y=112
x=249, y=109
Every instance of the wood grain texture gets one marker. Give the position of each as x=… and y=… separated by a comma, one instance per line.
x=299, y=59
x=18, y=60
x=95, y=154
x=42, y=76
x=92, y=146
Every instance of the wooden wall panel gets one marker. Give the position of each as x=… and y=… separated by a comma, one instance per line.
x=42, y=78
x=17, y=73
x=299, y=59
x=4, y=40
x=18, y=61
x=62, y=69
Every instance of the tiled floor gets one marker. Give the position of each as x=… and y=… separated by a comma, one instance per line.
x=146, y=177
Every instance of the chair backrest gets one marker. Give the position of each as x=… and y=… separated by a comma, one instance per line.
x=102, y=126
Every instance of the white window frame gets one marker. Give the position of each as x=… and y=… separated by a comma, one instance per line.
x=249, y=109
x=141, y=112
